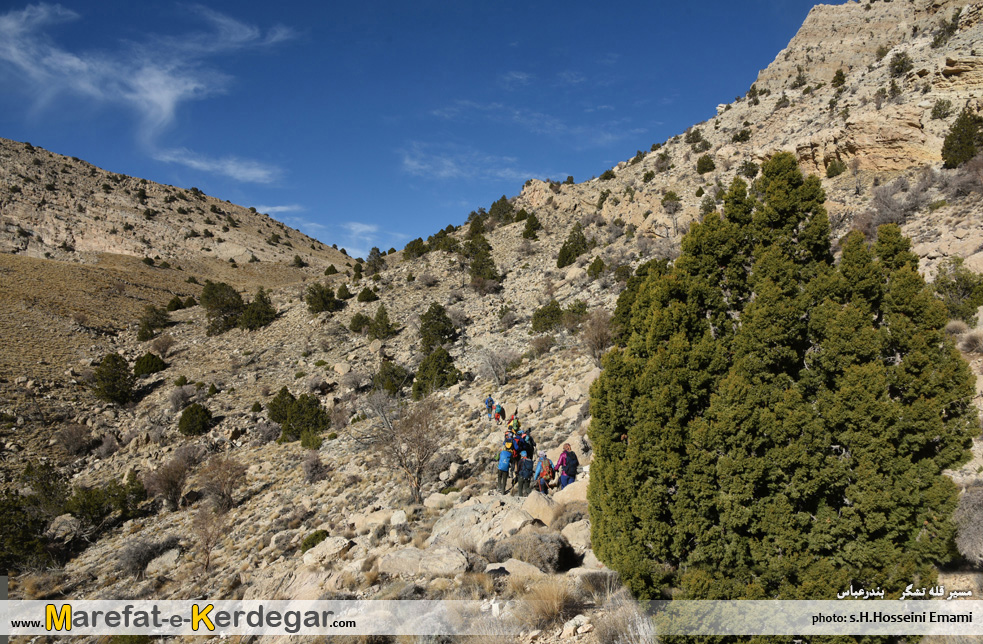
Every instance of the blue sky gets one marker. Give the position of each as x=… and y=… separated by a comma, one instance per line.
x=372, y=123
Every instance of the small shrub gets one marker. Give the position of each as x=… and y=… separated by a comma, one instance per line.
x=320, y=298
x=167, y=481
x=391, y=377
x=547, y=317
x=75, y=439
x=551, y=600
x=313, y=539
x=135, y=556
x=195, y=420
x=574, y=246
x=972, y=342
x=162, y=345
x=220, y=479
x=258, y=313
x=314, y=469
x=705, y=164
x=900, y=64
x=942, y=108
x=956, y=328
x=963, y=140
x=541, y=345
x=113, y=380
x=360, y=322
x=175, y=304
x=147, y=364
x=607, y=175
x=436, y=371
x=742, y=136
x=835, y=168
x=366, y=295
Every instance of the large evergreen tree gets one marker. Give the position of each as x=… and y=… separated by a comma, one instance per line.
x=787, y=419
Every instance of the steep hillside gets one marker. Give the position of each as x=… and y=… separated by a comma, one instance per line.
x=898, y=61
x=74, y=284
x=63, y=208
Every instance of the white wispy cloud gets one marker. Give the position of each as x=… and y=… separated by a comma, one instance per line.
x=291, y=207
x=152, y=78
x=515, y=79
x=451, y=161
x=245, y=170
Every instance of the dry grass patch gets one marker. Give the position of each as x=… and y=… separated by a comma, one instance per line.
x=550, y=601
x=476, y=585
x=972, y=342
x=956, y=328
x=42, y=585
x=622, y=622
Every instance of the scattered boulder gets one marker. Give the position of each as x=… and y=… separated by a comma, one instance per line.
x=576, y=491
x=540, y=506
x=327, y=552
x=514, y=567
x=578, y=534
x=441, y=561
x=63, y=528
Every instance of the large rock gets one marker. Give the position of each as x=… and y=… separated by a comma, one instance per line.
x=363, y=522
x=578, y=534
x=438, y=501
x=63, y=528
x=576, y=491
x=327, y=552
x=440, y=561
x=483, y=518
x=515, y=568
x=541, y=507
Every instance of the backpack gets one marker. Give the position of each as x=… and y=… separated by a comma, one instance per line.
x=546, y=469
x=571, y=464
x=489, y=403
x=504, y=458
x=512, y=448
x=525, y=468
x=521, y=445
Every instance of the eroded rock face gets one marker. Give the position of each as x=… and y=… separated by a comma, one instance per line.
x=327, y=552
x=439, y=561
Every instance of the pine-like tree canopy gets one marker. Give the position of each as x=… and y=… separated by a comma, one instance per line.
x=788, y=419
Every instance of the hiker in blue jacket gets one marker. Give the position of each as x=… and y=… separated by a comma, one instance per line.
x=504, y=464
x=490, y=406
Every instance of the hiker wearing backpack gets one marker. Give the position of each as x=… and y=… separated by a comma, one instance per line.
x=526, y=439
x=544, y=473
x=504, y=464
x=499, y=414
x=567, y=465
x=489, y=406
x=520, y=446
x=514, y=422
x=525, y=474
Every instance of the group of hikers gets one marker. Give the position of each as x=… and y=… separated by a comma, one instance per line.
x=516, y=457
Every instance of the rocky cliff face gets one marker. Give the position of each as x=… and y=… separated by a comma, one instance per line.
x=464, y=541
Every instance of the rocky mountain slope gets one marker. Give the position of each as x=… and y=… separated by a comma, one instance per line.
x=879, y=129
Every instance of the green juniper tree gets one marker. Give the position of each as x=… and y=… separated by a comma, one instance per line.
x=787, y=419
x=258, y=313
x=436, y=328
